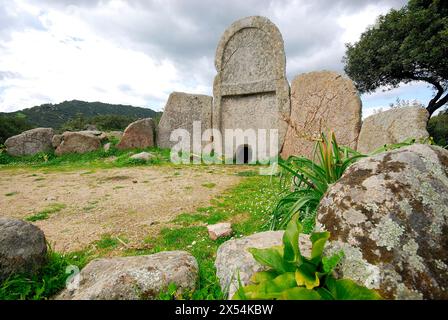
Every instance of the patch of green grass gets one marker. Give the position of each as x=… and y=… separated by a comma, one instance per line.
x=47, y=282
x=39, y=179
x=90, y=160
x=251, y=201
x=247, y=173
x=90, y=206
x=10, y=194
x=118, y=187
x=107, y=242
x=45, y=214
x=209, y=185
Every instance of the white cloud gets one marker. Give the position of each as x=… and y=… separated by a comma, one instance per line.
x=137, y=52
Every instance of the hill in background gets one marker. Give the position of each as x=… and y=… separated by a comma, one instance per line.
x=72, y=115
x=55, y=115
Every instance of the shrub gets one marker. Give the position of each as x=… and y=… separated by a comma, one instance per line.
x=438, y=129
x=294, y=277
x=12, y=125
x=310, y=180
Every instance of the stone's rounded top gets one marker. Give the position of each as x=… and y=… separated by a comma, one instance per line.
x=330, y=74
x=257, y=22
x=186, y=94
x=393, y=126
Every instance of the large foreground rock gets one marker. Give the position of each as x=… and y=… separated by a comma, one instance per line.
x=30, y=142
x=133, y=278
x=392, y=126
x=389, y=213
x=322, y=101
x=181, y=110
x=139, y=134
x=79, y=142
x=23, y=248
x=233, y=258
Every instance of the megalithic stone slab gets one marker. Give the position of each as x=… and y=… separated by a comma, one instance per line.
x=322, y=101
x=251, y=90
x=180, y=112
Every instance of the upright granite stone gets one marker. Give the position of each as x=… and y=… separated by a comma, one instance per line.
x=251, y=90
x=393, y=126
x=322, y=101
x=181, y=110
x=30, y=142
x=389, y=214
x=23, y=248
x=139, y=134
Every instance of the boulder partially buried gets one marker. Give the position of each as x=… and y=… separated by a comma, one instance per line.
x=79, y=142
x=321, y=102
x=392, y=126
x=233, y=259
x=23, y=248
x=30, y=142
x=139, y=134
x=134, y=278
x=389, y=214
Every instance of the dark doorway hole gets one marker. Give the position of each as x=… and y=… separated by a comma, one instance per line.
x=244, y=155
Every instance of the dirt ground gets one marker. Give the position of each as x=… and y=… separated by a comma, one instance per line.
x=131, y=203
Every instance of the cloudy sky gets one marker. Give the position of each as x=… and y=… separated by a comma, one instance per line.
x=137, y=52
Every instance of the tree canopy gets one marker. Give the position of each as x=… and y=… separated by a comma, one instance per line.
x=409, y=44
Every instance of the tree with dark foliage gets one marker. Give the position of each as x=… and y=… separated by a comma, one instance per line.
x=405, y=45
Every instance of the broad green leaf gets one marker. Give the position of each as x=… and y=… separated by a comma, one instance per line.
x=346, y=289
x=299, y=294
x=272, y=258
x=240, y=294
x=306, y=275
x=245, y=293
x=262, y=276
x=329, y=263
x=324, y=293
x=291, y=251
x=318, y=240
x=271, y=289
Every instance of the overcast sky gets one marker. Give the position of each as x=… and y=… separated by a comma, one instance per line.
x=138, y=52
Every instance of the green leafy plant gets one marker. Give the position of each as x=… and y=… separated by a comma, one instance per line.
x=310, y=180
x=293, y=276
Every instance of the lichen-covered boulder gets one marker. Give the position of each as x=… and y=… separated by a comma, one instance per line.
x=79, y=142
x=56, y=140
x=133, y=278
x=389, y=214
x=30, y=142
x=392, y=126
x=139, y=134
x=23, y=248
x=233, y=259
